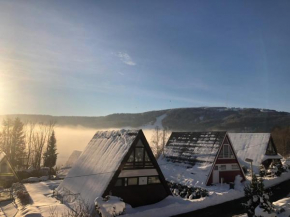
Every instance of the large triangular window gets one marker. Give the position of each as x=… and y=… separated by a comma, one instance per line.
x=226, y=152
x=138, y=158
x=271, y=150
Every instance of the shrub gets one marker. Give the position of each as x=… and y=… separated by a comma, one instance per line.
x=187, y=192
x=23, y=196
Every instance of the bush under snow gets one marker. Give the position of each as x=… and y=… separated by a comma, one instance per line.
x=109, y=206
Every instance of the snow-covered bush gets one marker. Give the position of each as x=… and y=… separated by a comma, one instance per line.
x=276, y=169
x=238, y=183
x=19, y=192
x=262, y=171
x=187, y=192
x=109, y=206
x=257, y=197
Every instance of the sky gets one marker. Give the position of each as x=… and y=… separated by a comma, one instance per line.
x=94, y=58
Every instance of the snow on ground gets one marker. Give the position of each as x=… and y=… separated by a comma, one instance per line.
x=7, y=208
x=195, y=176
x=285, y=204
x=42, y=200
x=279, y=204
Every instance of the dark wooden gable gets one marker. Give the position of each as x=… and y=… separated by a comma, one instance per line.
x=140, y=158
x=271, y=148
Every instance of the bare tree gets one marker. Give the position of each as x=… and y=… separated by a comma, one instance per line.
x=164, y=138
x=40, y=137
x=29, y=134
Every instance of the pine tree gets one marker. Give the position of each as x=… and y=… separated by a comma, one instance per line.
x=257, y=196
x=12, y=141
x=253, y=192
x=50, y=155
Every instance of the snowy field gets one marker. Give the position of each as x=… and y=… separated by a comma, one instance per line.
x=43, y=202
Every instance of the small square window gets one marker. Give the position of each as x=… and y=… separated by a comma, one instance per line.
x=153, y=180
x=132, y=181
x=223, y=167
x=142, y=180
x=235, y=167
x=119, y=182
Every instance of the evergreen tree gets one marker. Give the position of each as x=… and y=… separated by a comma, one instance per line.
x=50, y=155
x=18, y=144
x=253, y=192
x=12, y=141
x=256, y=196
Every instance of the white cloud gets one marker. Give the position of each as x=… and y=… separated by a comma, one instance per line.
x=125, y=58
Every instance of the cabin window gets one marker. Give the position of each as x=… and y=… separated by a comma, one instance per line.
x=153, y=180
x=235, y=167
x=223, y=167
x=132, y=181
x=142, y=180
x=139, y=158
x=226, y=152
x=216, y=168
x=119, y=182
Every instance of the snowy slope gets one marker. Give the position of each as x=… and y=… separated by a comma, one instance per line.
x=158, y=123
x=42, y=200
x=250, y=145
x=94, y=169
x=73, y=158
x=185, y=174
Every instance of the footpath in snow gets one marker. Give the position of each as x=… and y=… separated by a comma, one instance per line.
x=7, y=209
x=42, y=200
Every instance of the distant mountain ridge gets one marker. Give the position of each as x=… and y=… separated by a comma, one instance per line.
x=182, y=119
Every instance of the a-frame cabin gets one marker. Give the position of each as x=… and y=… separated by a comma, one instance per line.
x=7, y=173
x=259, y=147
x=200, y=158
x=118, y=163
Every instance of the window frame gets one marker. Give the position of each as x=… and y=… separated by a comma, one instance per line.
x=131, y=165
x=125, y=181
x=230, y=153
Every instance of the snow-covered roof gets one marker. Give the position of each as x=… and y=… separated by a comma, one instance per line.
x=193, y=147
x=252, y=146
x=94, y=169
x=189, y=156
x=73, y=158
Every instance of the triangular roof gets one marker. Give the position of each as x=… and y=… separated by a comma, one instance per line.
x=3, y=158
x=194, y=147
x=98, y=167
x=189, y=156
x=252, y=146
x=73, y=158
